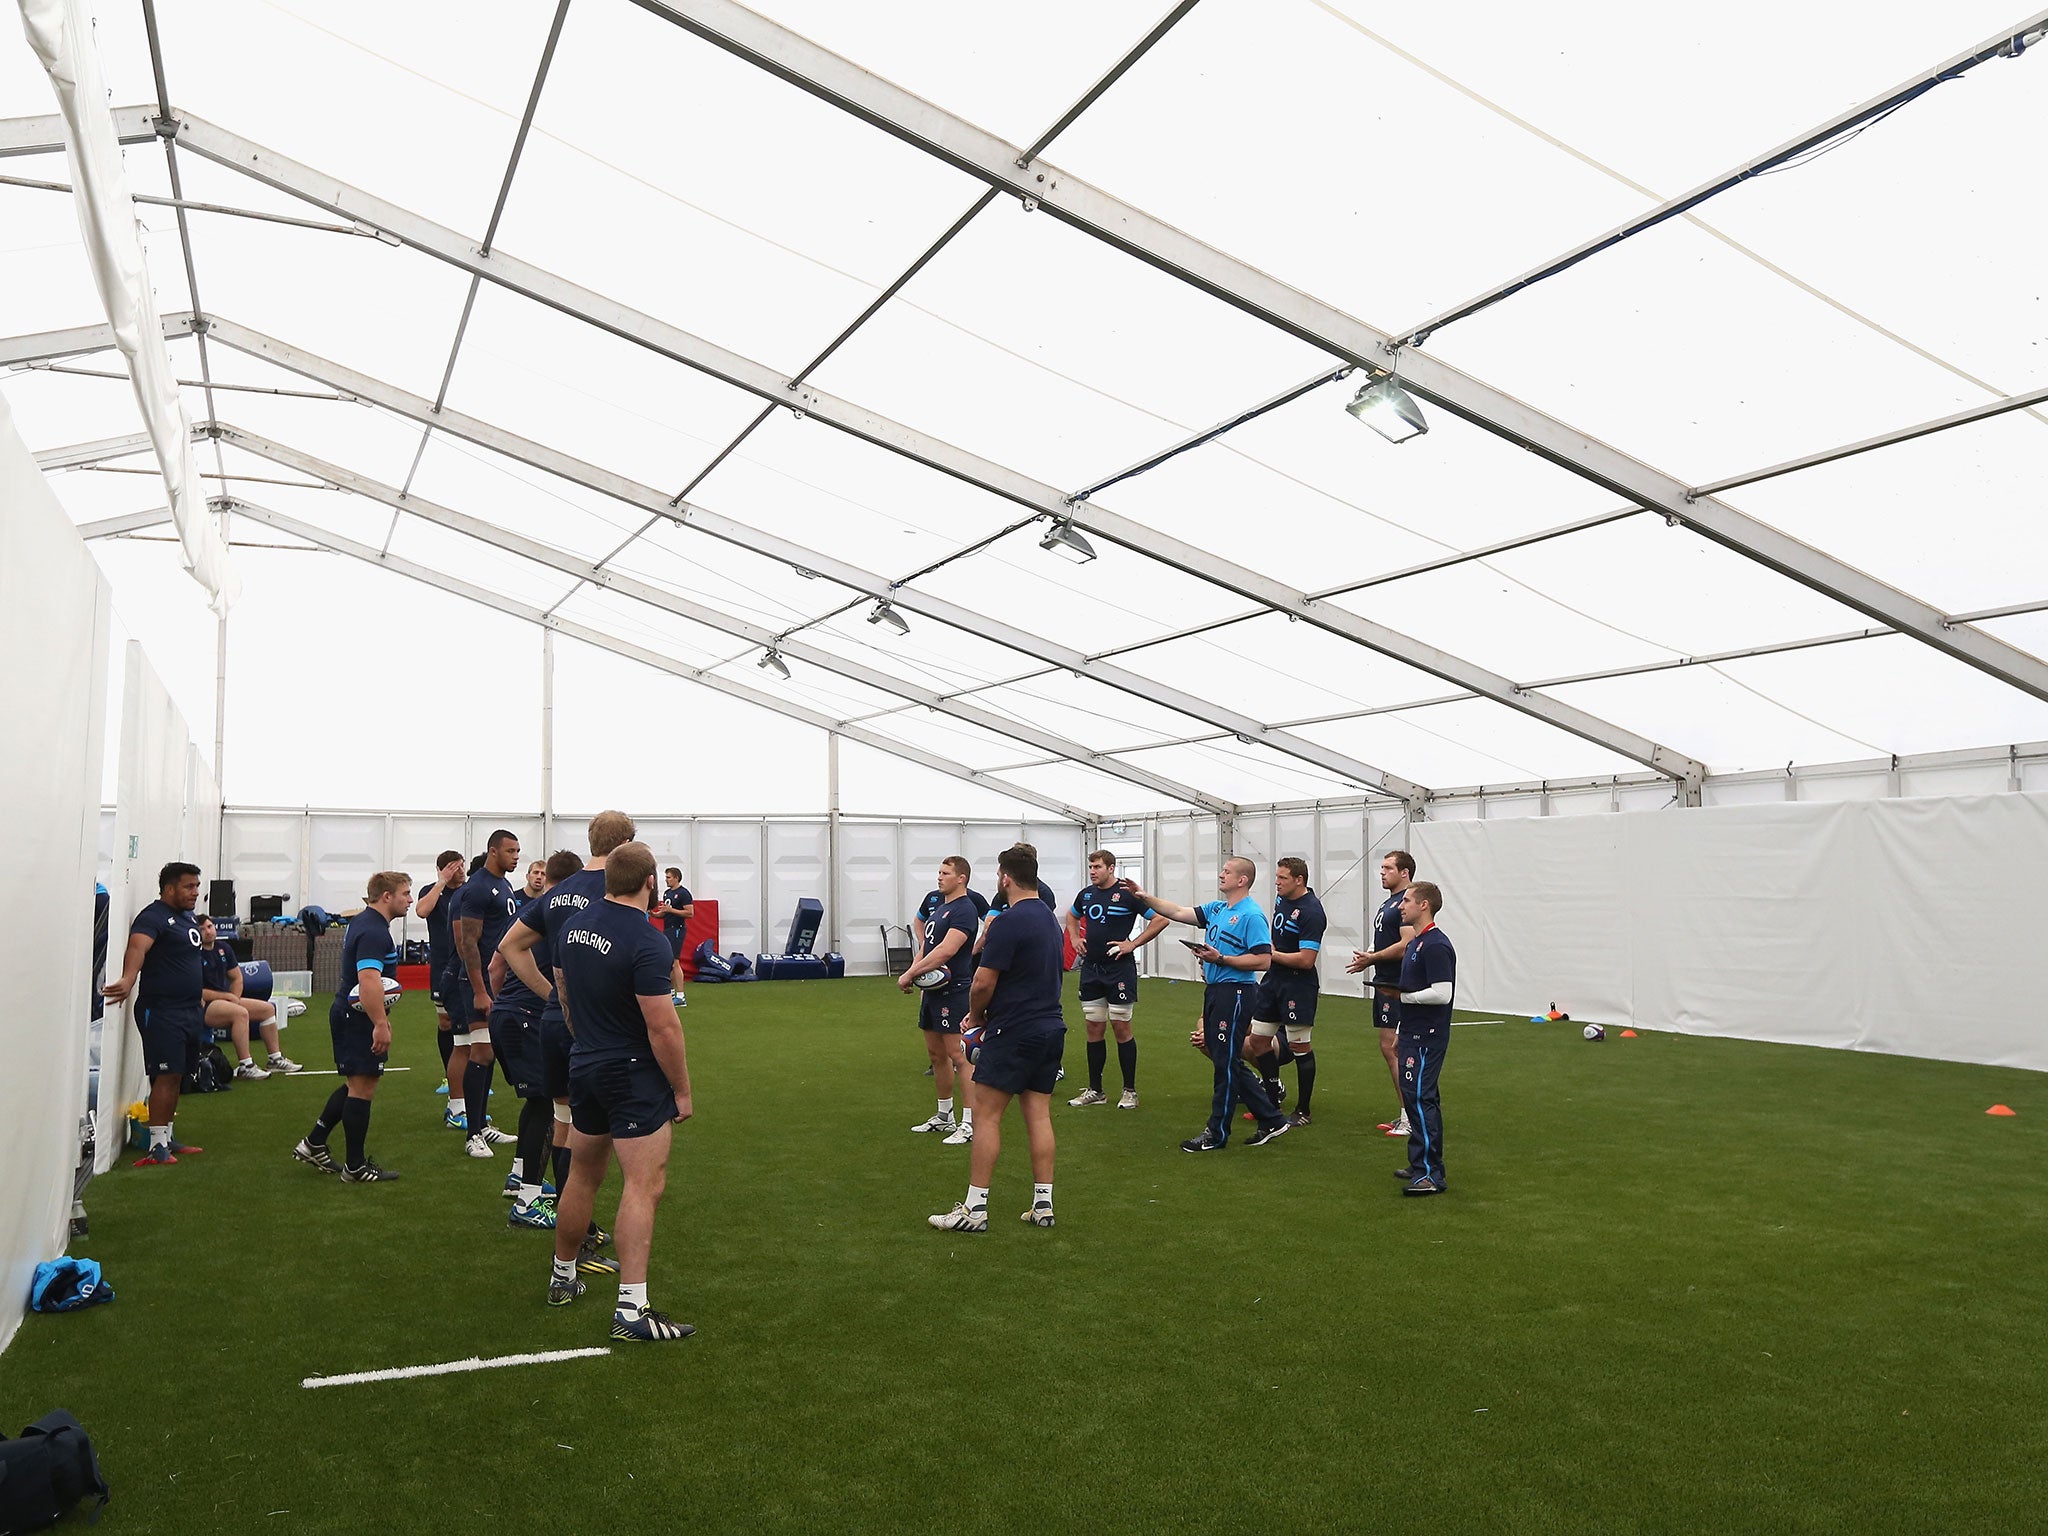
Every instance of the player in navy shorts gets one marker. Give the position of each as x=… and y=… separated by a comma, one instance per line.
x=361, y=1031
x=1099, y=926
x=1289, y=990
x=434, y=907
x=1015, y=1009
x=484, y=908
x=1390, y=938
x=534, y=938
x=674, y=909
x=1429, y=989
x=629, y=1083
x=163, y=956
x=944, y=938
x=516, y=1010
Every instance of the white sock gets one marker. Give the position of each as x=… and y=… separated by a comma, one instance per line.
x=277, y=1055
x=159, y=1136
x=565, y=1269
x=248, y=1061
x=528, y=1193
x=967, y=1117
x=946, y=1108
x=633, y=1298
x=977, y=1198
x=1041, y=1194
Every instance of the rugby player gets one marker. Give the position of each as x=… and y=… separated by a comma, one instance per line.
x=434, y=907
x=362, y=1033
x=629, y=1083
x=1390, y=938
x=515, y=1040
x=162, y=967
x=943, y=939
x=1015, y=1006
x=484, y=908
x=1099, y=925
x=1289, y=989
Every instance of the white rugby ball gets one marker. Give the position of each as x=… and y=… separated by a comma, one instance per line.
x=1594, y=1032
x=939, y=976
x=392, y=993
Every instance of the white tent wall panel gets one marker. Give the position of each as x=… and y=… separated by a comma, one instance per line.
x=264, y=855
x=346, y=851
x=1630, y=919
x=729, y=871
x=55, y=614
x=873, y=881
x=414, y=842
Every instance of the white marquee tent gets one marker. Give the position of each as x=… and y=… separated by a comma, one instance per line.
x=561, y=376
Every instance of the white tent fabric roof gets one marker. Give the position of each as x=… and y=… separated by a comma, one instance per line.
x=1390, y=162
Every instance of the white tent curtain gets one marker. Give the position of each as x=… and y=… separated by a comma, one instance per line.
x=1909, y=927
x=54, y=614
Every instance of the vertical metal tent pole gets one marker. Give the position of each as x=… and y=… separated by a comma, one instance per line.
x=832, y=836
x=547, y=739
x=220, y=736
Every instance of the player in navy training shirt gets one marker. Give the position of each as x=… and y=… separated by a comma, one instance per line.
x=1001, y=904
x=1099, y=926
x=361, y=1031
x=1389, y=942
x=1429, y=986
x=516, y=1010
x=674, y=908
x=163, y=957
x=1016, y=1010
x=1289, y=990
x=484, y=908
x=629, y=1082
x=220, y=976
x=944, y=938
x=536, y=937
x=933, y=901
x=433, y=908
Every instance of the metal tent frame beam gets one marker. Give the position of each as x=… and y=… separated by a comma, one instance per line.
x=335, y=544
x=766, y=383
x=570, y=564
x=703, y=520
x=958, y=143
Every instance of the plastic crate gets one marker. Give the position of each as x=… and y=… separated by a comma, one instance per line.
x=291, y=983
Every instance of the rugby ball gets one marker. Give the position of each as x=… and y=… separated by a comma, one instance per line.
x=970, y=1042
x=1594, y=1032
x=392, y=993
x=938, y=977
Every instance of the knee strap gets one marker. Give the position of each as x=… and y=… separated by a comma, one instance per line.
x=561, y=1114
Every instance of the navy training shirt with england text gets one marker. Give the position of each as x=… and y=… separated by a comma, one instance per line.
x=1028, y=948
x=1428, y=959
x=171, y=967
x=516, y=993
x=569, y=900
x=1233, y=928
x=1106, y=917
x=1386, y=932
x=490, y=900
x=676, y=896
x=1298, y=924
x=933, y=901
x=366, y=946
x=610, y=957
x=955, y=916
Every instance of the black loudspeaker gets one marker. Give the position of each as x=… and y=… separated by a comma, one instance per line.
x=220, y=899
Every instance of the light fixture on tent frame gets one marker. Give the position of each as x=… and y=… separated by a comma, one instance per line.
x=885, y=613
x=1382, y=404
x=771, y=661
x=1067, y=541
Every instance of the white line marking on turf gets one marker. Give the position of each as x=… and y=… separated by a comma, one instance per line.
x=450, y=1367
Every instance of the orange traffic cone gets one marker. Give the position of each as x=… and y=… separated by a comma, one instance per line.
x=1628, y=1034
x=2000, y=1109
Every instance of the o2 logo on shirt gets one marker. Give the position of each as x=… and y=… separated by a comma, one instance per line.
x=192, y=936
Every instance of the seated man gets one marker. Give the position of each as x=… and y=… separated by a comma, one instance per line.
x=220, y=981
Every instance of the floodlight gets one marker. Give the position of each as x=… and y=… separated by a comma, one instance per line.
x=1064, y=540
x=771, y=661
x=885, y=613
x=1389, y=410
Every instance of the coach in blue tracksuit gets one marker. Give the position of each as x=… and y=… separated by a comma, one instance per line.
x=1237, y=947
x=1429, y=983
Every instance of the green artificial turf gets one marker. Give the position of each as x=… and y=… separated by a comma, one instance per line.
x=1678, y=1285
